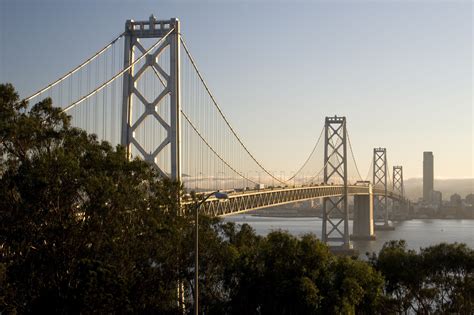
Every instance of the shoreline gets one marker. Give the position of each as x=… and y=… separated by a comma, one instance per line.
x=289, y=216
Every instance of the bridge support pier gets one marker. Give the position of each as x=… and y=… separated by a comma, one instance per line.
x=363, y=228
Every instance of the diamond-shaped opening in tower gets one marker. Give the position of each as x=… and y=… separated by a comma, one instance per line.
x=150, y=84
x=163, y=160
x=163, y=109
x=138, y=63
x=150, y=134
x=137, y=109
x=163, y=59
x=161, y=51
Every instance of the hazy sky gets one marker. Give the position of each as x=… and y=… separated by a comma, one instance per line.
x=400, y=71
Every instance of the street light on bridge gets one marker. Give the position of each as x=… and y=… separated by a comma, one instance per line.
x=221, y=196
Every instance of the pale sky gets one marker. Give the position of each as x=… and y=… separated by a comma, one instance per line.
x=400, y=71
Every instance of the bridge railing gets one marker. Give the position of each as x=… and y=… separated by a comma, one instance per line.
x=239, y=202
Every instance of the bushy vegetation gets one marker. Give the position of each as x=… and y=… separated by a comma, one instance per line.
x=84, y=230
x=437, y=280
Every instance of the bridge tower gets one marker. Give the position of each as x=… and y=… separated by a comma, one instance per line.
x=398, y=180
x=335, y=212
x=169, y=162
x=398, y=187
x=380, y=181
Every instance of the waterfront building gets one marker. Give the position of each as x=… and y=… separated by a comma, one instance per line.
x=428, y=176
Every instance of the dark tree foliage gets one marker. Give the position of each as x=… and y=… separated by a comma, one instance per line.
x=81, y=228
x=438, y=280
x=282, y=274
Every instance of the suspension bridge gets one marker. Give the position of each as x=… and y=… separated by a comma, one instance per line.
x=143, y=90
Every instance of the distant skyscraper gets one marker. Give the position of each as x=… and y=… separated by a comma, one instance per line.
x=428, y=176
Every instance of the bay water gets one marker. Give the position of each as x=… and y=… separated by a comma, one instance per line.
x=417, y=233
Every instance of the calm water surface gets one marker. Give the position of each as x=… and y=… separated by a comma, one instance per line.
x=417, y=233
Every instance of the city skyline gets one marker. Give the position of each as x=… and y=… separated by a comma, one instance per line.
x=402, y=79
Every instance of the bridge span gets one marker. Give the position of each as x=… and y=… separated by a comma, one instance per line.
x=241, y=202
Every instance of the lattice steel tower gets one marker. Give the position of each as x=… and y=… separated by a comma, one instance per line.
x=398, y=187
x=164, y=152
x=335, y=212
x=380, y=182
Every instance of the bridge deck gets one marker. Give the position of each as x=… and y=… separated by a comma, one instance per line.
x=240, y=202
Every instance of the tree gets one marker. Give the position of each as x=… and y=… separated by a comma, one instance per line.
x=439, y=279
x=82, y=228
x=450, y=272
x=283, y=274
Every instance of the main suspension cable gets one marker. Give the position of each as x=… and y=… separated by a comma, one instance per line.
x=367, y=178
x=82, y=65
x=118, y=74
x=222, y=114
x=213, y=151
x=309, y=157
x=352, y=154
x=319, y=172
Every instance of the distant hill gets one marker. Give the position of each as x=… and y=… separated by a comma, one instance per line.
x=465, y=186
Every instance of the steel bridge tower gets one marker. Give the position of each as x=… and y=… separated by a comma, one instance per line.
x=335, y=212
x=380, y=181
x=398, y=187
x=134, y=31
